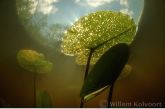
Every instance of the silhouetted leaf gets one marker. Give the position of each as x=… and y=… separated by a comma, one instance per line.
x=29, y=59
x=106, y=70
x=43, y=99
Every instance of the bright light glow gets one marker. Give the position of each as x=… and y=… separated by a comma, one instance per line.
x=75, y=16
x=76, y=19
x=70, y=22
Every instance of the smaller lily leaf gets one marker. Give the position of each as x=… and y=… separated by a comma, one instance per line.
x=44, y=67
x=30, y=60
x=29, y=57
x=106, y=70
x=43, y=99
x=94, y=94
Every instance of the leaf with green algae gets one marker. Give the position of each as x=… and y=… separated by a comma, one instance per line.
x=29, y=59
x=3, y=104
x=43, y=67
x=43, y=99
x=102, y=29
x=105, y=71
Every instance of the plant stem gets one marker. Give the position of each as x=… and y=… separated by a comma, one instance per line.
x=110, y=95
x=34, y=86
x=86, y=72
x=88, y=63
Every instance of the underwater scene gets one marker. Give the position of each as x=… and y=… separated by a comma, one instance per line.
x=82, y=53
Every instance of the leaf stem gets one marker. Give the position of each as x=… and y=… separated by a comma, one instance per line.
x=34, y=86
x=110, y=95
x=88, y=63
x=86, y=72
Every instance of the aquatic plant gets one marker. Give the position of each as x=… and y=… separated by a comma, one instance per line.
x=105, y=72
x=98, y=32
x=92, y=35
x=34, y=62
x=44, y=99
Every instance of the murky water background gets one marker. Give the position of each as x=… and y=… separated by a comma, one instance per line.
x=145, y=82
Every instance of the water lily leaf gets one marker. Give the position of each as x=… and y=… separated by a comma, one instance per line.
x=43, y=99
x=30, y=60
x=29, y=57
x=107, y=69
x=43, y=67
x=125, y=72
x=101, y=30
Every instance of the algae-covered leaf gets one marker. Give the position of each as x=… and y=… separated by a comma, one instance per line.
x=107, y=69
x=29, y=57
x=101, y=30
x=43, y=99
x=44, y=67
x=30, y=60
